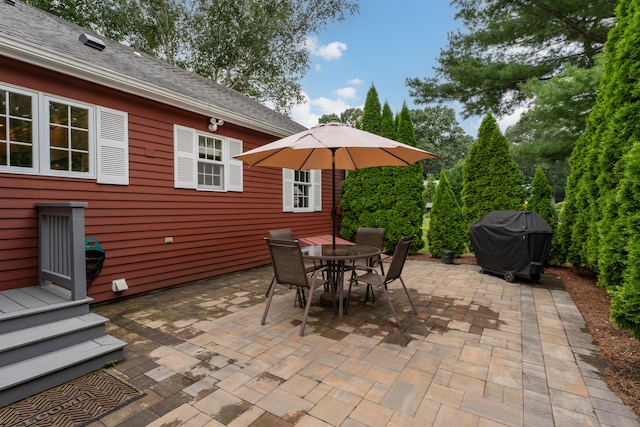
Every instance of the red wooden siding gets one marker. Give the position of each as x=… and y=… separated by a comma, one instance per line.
x=213, y=233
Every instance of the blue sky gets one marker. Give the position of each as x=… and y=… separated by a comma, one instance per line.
x=382, y=45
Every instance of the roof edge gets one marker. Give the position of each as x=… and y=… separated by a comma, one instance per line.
x=55, y=61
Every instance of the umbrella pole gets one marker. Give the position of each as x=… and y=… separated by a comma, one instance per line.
x=333, y=196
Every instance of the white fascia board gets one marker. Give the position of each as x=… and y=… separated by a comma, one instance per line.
x=55, y=61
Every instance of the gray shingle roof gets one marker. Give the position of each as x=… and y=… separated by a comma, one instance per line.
x=30, y=34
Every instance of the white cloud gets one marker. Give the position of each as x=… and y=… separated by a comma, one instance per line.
x=328, y=106
x=355, y=81
x=308, y=113
x=302, y=113
x=328, y=52
x=346, y=93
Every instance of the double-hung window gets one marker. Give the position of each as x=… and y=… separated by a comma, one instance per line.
x=69, y=137
x=210, y=163
x=45, y=135
x=204, y=161
x=18, y=115
x=302, y=190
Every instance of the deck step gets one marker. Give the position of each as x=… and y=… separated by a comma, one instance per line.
x=30, y=376
x=36, y=305
x=33, y=341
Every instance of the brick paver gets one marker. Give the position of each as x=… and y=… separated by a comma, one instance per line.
x=480, y=352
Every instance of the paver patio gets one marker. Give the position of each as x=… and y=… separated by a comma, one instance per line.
x=480, y=352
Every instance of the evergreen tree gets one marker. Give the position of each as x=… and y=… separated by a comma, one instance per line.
x=625, y=304
x=372, y=115
x=540, y=202
x=541, y=195
x=386, y=197
x=454, y=176
x=574, y=204
x=491, y=179
x=619, y=96
x=359, y=200
x=387, y=123
x=447, y=227
x=403, y=188
x=591, y=229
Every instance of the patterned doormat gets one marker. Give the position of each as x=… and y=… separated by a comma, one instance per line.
x=76, y=403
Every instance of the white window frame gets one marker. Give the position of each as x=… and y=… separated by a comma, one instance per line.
x=288, y=189
x=34, y=133
x=45, y=153
x=108, y=143
x=186, y=159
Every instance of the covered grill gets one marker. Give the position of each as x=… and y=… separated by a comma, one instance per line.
x=512, y=243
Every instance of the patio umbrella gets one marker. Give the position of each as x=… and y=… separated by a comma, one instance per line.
x=333, y=146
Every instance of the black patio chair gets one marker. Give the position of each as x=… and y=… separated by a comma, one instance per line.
x=373, y=278
x=287, y=234
x=371, y=237
x=289, y=270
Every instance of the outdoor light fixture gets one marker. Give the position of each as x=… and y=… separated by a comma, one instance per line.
x=214, y=123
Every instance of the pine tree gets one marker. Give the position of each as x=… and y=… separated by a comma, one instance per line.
x=405, y=198
x=541, y=196
x=387, y=197
x=387, y=123
x=591, y=232
x=491, y=179
x=372, y=115
x=618, y=95
x=625, y=304
x=540, y=202
x=447, y=227
x=360, y=201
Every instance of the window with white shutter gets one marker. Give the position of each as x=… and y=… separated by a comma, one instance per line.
x=302, y=190
x=204, y=161
x=47, y=135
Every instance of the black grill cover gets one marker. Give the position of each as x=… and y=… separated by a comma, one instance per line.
x=513, y=243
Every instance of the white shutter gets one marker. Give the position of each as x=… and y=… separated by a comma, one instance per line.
x=185, y=168
x=316, y=189
x=287, y=189
x=112, y=146
x=234, y=168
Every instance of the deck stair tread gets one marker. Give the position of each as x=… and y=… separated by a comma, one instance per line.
x=38, y=366
x=34, y=299
x=34, y=334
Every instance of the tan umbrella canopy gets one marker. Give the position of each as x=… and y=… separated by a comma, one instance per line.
x=334, y=146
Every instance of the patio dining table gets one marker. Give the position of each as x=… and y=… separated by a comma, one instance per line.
x=337, y=257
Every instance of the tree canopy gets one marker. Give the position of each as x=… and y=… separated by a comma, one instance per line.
x=350, y=116
x=438, y=131
x=509, y=43
x=546, y=133
x=257, y=47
